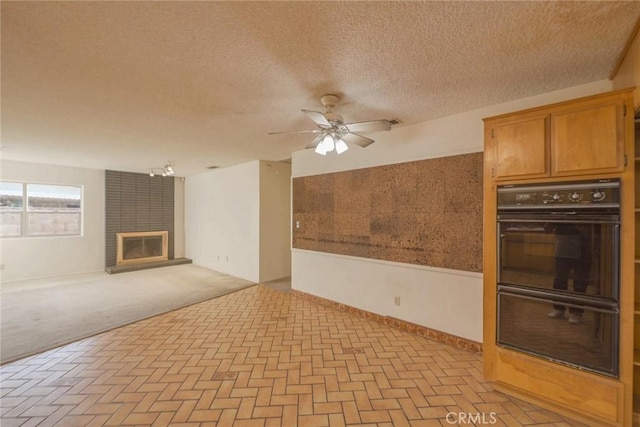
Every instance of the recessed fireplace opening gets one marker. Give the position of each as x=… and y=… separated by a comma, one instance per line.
x=140, y=247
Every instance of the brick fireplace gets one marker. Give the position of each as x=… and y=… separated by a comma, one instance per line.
x=139, y=222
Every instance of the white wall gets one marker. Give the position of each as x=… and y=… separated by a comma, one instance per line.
x=275, y=220
x=222, y=220
x=447, y=300
x=430, y=294
x=40, y=257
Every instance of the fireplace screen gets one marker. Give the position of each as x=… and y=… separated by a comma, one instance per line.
x=142, y=247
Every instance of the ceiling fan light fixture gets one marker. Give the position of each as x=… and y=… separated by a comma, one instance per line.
x=320, y=150
x=341, y=146
x=334, y=133
x=329, y=143
x=326, y=145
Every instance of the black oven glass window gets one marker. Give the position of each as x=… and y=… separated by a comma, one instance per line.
x=591, y=344
x=573, y=258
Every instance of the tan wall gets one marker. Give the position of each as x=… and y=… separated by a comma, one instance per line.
x=628, y=74
x=178, y=215
x=275, y=220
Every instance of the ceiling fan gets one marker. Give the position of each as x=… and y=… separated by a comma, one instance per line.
x=334, y=133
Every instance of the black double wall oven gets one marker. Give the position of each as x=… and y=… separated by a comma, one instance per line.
x=558, y=272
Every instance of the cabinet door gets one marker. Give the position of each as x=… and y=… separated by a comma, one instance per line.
x=588, y=140
x=521, y=149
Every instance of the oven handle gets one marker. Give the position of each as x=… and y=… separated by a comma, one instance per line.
x=589, y=304
x=573, y=220
x=616, y=263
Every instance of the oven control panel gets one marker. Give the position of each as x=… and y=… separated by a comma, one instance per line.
x=580, y=194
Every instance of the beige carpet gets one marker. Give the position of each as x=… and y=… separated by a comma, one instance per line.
x=40, y=315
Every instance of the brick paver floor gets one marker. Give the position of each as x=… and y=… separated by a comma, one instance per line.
x=257, y=357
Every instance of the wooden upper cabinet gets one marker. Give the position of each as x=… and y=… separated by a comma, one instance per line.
x=521, y=148
x=588, y=140
x=573, y=138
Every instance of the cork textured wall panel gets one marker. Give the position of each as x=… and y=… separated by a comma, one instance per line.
x=426, y=212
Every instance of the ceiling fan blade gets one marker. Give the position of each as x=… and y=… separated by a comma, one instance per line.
x=360, y=140
x=372, y=126
x=296, y=131
x=315, y=142
x=317, y=117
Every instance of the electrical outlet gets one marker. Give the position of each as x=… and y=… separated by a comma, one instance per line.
x=396, y=300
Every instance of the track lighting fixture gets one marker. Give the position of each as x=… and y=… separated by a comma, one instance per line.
x=167, y=170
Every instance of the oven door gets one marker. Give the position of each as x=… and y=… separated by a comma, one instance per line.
x=524, y=325
x=574, y=253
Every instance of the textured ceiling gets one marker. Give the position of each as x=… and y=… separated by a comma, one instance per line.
x=130, y=85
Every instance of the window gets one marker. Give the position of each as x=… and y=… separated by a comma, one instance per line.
x=50, y=210
x=11, y=203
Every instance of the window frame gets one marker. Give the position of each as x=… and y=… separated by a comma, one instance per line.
x=26, y=211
